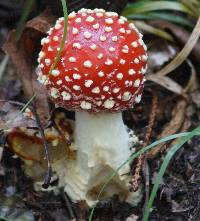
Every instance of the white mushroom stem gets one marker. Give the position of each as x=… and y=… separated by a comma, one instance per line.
x=101, y=139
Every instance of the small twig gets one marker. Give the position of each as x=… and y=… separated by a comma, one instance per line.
x=137, y=176
x=47, y=178
x=13, y=102
x=68, y=205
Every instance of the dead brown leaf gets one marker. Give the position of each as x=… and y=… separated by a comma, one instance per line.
x=175, y=124
x=160, y=52
x=24, y=55
x=167, y=83
x=10, y=116
x=181, y=35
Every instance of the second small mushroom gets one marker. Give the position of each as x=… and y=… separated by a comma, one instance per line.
x=100, y=74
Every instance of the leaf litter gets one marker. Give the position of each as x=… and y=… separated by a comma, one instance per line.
x=173, y=117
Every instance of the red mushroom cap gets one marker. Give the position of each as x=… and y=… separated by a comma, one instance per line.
x=102, y=64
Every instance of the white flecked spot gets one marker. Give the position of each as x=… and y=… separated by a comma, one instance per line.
x=122, y=30
x=100, y=74
x=125, y=50
x=96, y=26
x=87, y=34
x=84, y=14
x=128, y=83
x=102, y=38
x=55, y=72
x=116, y=90
x=58, y=26
x=67, y=79
x=131, y=72
x=43, y=79
x=136, y=61
x=144, y=57
x=137, y=83
x=108, y=62
x=76, y=76
x=89, y=11
x=109, y=21
x=77, y=45
x=134, y=44
x=86, y=105
x=99, y=103
x=76, y=87
x=66, y=96
x=82, y=10
x=50, y=31
x=145, y=47
x=54, y=92
x=121, y=21
x=61, y=19
x=96, y=90
x=93, y=46
x=99, y=14
x=132, y=26
x=72, y=59
x=128, y=32
x=126, y=96
x=90, y=19
x=138, y=98
x=50, y=48
x=59, y=82
x=75, y=31
x=143, y=70
x=141, y=42
x=122, y=61
x=109, y=104
x=119, y=76
x=78, y=20
x=72, y=15
x=114, y=38
x=100, y=56
x=88, y=83
x=123, y=18
x=87, y=64
x=45, y=41
x=47, y=61
x=105, y=88
x=110, y=14
x=41, y=54
x=111, y=49
x=55, y=38
x=41, y=65
x=108, y=29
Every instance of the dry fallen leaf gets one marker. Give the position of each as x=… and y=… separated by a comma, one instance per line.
x=11, y=117
x=28, y=145
x=175, y=124
x=24, y=55
x=180, y=34
x=167, y=83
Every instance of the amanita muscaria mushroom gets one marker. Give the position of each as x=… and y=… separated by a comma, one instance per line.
x=100, y=74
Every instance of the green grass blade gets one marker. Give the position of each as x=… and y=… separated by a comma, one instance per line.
x=176, y=19
x=28, y=6
x=163, y=167
x=62, y=44
x=143, y=6
x=64, y=5
x=132, y=157
x=155, y=31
